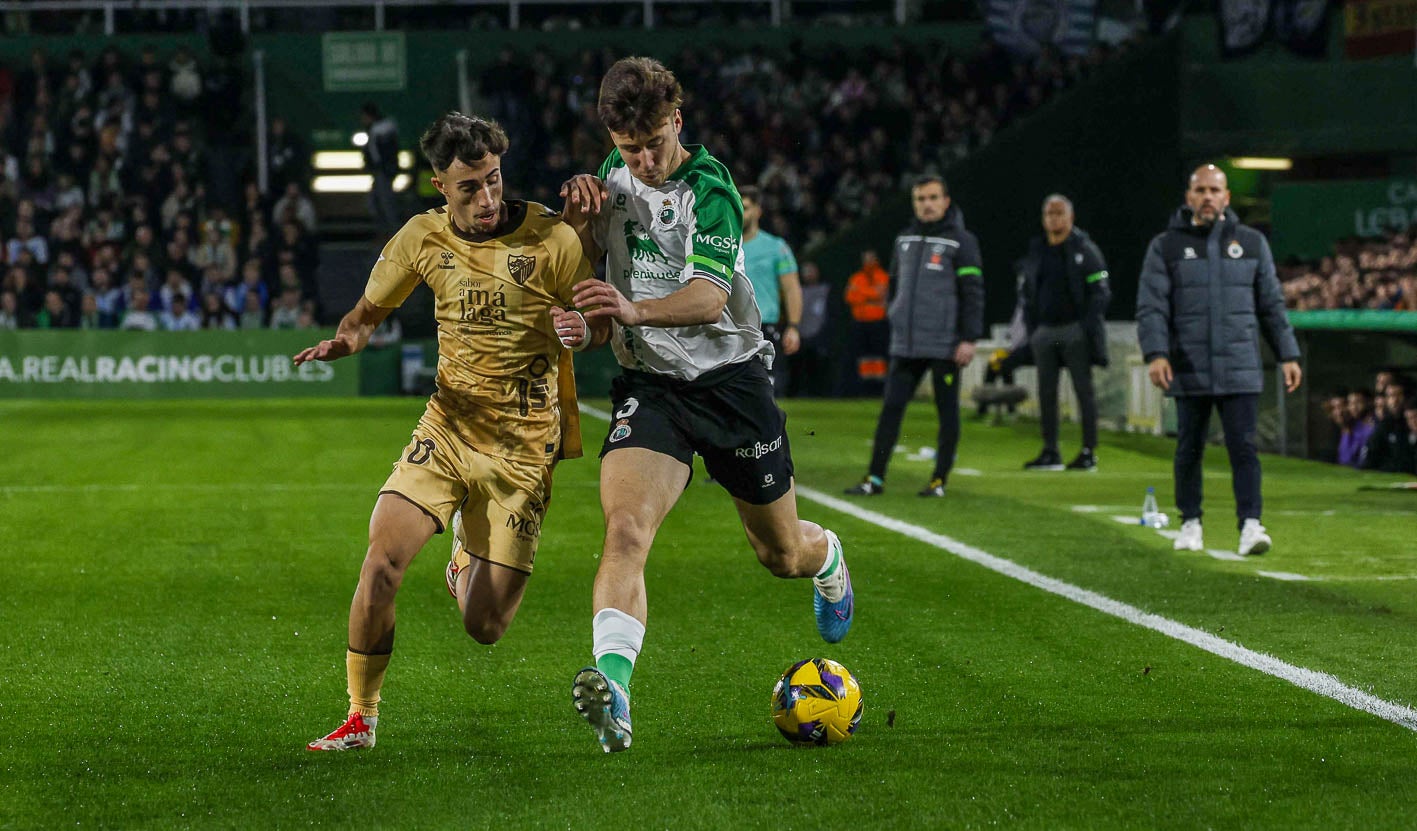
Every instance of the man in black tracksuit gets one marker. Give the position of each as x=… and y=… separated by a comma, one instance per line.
x=1063, y=294
x=936, y=314
x=1208, y=292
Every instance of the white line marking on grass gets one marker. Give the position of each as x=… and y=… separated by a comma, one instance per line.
x=1284, y=575
x=1222, y=554
x=1316, y=682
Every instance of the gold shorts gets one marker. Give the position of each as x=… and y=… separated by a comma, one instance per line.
x=503, y=502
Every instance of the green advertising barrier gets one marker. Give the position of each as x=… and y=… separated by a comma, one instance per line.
x=1309, y=216
x=214, y=364
x=1371, y=320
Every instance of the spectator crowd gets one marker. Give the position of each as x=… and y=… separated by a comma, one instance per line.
x=115, y=208
x=1377, y=428
x=824, y=133
x=1379, y=273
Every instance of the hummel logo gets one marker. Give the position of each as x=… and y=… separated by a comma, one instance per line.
x=447, y=260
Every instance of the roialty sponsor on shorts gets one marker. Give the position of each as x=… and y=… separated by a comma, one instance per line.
x=758, y=449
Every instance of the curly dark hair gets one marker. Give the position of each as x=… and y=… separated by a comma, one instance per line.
x=637, y=95
x=464, y=137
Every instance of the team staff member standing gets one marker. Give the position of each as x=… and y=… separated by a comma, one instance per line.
x=688, y=336
x=505, y=410
x=1063, y=292
x=936, y=315
x=772, y=269
x=1208, y=283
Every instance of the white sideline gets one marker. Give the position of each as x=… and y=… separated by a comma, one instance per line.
x=1316, y=682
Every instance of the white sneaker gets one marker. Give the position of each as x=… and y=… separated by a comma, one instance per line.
x=1253, y=539
x=1189, y=537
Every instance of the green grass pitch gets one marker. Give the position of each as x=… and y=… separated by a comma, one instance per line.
x=177, y=579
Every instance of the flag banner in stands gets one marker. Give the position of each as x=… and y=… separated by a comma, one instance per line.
x=216, y=364
x=1024, y=26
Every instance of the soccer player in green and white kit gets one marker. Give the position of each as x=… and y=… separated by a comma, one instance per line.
x=695, y=378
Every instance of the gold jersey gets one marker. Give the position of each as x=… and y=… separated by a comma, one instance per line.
x=505, y=382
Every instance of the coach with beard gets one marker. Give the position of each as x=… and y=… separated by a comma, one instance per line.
x=1208, y=292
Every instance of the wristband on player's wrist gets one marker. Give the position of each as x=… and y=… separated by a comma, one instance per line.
x=585, y=341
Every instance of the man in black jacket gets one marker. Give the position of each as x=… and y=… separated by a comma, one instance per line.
x=936, y=314
x=1063, y=294
x=1208, y=291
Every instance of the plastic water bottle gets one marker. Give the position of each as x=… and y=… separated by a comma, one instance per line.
x=1151, y=515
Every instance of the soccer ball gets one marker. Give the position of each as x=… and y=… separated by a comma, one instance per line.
x=816, y=701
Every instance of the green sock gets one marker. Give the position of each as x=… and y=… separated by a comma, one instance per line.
x=617, y=668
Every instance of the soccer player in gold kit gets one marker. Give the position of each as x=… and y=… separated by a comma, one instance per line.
x=481, y=457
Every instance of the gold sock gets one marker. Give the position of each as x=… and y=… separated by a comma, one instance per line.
x=366, y=678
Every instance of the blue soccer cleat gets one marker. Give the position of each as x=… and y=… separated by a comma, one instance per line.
x=834, y=618
x=605, y=706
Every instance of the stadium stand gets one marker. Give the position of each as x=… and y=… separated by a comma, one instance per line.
x=1379, y=273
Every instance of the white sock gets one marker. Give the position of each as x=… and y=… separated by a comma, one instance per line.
x=616, y=633
x=830, y=578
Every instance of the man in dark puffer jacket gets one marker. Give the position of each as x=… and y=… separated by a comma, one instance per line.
x=1208, y=291
x=936, y=314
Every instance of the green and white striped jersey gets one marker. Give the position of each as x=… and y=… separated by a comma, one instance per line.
x=656, y=241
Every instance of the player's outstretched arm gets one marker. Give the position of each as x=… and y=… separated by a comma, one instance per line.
x=352, y=335
x=698, y=303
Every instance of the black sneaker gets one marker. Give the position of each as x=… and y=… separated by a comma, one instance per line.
x=1047, y=460
x=1086, y=460
x=868, y=487
x=935, y=488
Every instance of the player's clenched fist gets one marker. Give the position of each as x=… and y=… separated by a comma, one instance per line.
x=571, y=328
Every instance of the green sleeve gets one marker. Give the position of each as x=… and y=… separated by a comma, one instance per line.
x=718, y=235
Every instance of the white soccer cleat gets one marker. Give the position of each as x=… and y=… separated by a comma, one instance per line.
x=357, y=733
x=1189, y=537
x=1253, y=539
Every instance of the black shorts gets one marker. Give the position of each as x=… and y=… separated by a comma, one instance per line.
x=727, y=416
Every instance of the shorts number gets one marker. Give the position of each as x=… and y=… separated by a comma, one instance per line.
x=631, y=404
x=422, y=451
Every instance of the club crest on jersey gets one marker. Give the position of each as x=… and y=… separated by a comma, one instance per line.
x=667, y=215
x=621, y=431
x=1235, y=251
x=520, y=267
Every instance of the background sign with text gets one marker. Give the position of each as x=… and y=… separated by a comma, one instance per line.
x=108, y=364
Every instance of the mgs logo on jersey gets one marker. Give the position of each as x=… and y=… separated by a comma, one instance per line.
x=718, y=242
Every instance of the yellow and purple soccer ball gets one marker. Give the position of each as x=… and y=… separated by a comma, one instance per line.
x=816, y=701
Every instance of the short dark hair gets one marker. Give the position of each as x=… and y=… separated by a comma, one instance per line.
x=1410, y=405
x=462, y=137
x=930, y=179
x=752, y=192
x=637, y=95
